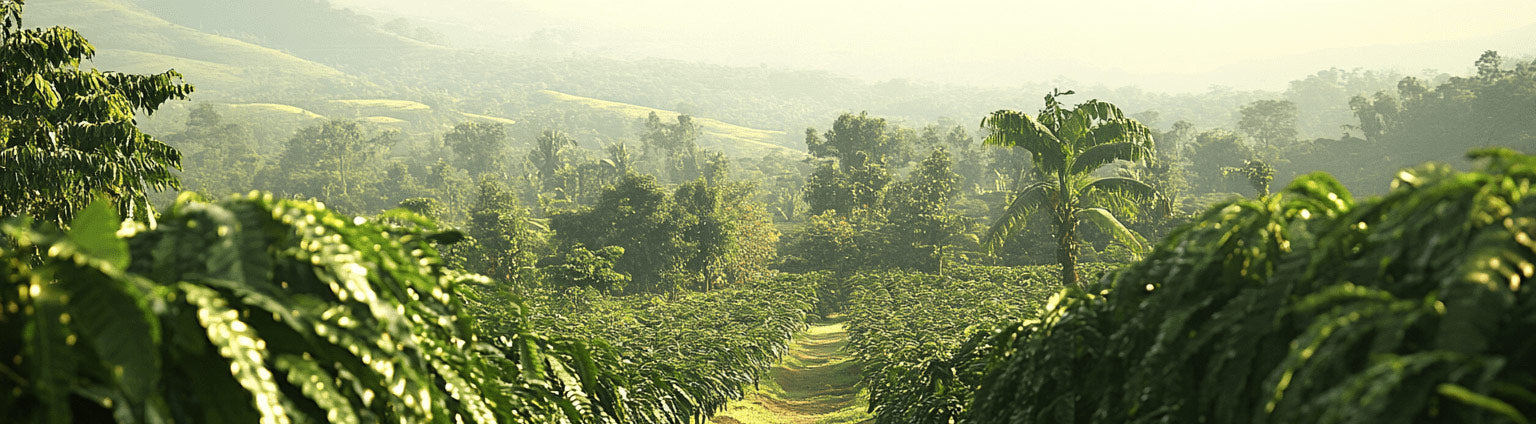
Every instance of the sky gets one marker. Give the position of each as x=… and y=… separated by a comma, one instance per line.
x=1171, y=45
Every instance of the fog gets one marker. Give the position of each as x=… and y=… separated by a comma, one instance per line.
x=1184, y=45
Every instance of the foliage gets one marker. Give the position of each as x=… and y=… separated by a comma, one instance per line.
x=922, y=339
x=856, y=135
x=68, y=134
x=831, y=241
x=674, y=145
x=254, y=309
x=479, y=147
x=686, y=357
x=703, y=236
x=1067, y=147
x=1258, y=174
x=580, y=267
x=337, y=162
x=218, y=156
x=1212, y=152
x=924, y=227
x=549, y=156
x=855, y=185
x=1271, y=122
x=506, y=240
x=1304, y=306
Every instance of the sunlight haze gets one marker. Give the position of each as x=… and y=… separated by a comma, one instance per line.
x=1173, y=45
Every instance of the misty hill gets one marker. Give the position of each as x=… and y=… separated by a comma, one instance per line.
x=1450, y=56
x=309, y=55
x=130, y=39
x=309, y=29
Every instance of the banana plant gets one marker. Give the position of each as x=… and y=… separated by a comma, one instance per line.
x=1068, y=146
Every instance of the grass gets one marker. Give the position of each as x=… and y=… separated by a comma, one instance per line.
x=275, y=109
x=730, y=136
x=382, y=120
x=492, y=119
x=384, y=105
x=816, y=383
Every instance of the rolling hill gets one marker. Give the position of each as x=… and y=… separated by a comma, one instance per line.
x=730, y=138
x=129, y=39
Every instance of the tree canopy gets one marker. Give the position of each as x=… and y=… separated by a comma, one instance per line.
x=69, y=134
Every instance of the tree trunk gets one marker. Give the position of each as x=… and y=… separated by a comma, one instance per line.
x=1066, y=251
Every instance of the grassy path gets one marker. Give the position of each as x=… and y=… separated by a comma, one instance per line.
x=816, y=383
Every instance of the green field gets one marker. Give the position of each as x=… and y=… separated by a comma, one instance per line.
x=730, y=137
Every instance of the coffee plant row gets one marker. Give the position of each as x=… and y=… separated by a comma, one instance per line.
x=278, y=311
x=917, y=335
x=685, y=357
x=1302, y=307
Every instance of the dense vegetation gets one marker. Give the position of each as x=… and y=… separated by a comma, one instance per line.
x=406, y=236
x=263, y=310
x=920, y=337
x=684, y=358
x=1304, y=306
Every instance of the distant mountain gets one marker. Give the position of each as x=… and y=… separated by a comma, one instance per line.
x=309, y=54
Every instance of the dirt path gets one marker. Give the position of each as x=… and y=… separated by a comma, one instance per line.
x=816, y=383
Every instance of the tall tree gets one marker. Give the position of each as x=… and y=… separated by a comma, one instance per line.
x=219, y=157
x=852, y=135
x=68, y=134
x=923, y=223
x=861, y=186
x=637, y=215
x=676, y=144
x=1270, y=122
x=334, y=160
x=1067, y=146
x=480, y=147
x=548, y=156
x=506, y=241
x=1213, y=151
x=1256, y=172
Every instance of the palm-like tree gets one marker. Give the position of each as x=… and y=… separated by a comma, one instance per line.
x=547, y=155
x=1067, y=147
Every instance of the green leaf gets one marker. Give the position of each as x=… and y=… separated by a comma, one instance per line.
x=1107, y=222
x=123, y=332
x=320, y=387
x=1481, y=401
x=236, y=342
x=94, y=231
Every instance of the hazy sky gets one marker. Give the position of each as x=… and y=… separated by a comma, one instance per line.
x=1169, y=44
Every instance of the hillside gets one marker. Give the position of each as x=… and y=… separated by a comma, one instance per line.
x=341, y=64
x=730, y=138
x=130, y=39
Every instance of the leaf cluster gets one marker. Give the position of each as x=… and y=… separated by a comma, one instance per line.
x=1304, y=306
x=254, y=309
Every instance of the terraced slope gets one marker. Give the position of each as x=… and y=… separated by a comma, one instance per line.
x=715, y=134
x=817, y=383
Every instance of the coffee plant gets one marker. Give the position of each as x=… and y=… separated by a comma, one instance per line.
x=919, y=336
x=1303, y=306
x=683, y=358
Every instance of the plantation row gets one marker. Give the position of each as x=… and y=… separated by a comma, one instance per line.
x=276, y=311
x=1305, y=306
x=684, y=357
x=916, y=334
x=1302, y=307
